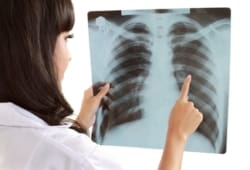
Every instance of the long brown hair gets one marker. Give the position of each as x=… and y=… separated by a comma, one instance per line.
x=28, y=33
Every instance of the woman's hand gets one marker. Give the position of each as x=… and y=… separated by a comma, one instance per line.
x=90, y=104
x=183, y=121
x=185, y=118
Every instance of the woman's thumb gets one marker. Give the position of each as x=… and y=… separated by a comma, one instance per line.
x=104, y=90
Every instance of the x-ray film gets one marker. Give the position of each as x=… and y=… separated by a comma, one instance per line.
x=145, y=55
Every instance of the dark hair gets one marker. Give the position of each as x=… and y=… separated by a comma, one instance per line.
x=28, y=33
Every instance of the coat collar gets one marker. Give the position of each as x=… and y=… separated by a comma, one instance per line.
x=13, y=115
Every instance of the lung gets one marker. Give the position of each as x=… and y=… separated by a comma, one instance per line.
x=130, y=67
x=190, y=55
x=145, y=55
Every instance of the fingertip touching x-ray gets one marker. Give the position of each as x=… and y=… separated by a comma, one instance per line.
x=145, y=55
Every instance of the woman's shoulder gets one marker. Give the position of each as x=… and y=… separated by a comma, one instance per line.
x=35, y=138
x=17, y=122
x=28, y=137
x=12, y=115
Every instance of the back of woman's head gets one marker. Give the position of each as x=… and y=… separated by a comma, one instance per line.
x=28, y=34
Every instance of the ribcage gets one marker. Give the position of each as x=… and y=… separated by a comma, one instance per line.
x=190, y=55
x=146, y=55
x=129, y=68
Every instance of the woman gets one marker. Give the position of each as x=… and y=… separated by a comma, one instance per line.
x=34, y=57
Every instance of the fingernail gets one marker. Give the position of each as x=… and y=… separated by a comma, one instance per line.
x=189, y=76
x=106, y=85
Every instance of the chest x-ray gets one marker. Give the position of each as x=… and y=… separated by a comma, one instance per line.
x=145, y=55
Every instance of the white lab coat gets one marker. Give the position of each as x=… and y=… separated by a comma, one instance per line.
x=29, y=143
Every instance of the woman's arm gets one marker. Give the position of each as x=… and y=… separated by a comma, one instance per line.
x=90, y=104
x=172, y=153
x=184, y=120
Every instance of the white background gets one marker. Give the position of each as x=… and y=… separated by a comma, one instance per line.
x=78, y=78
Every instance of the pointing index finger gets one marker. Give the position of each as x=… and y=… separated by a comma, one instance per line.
x=185, y=88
